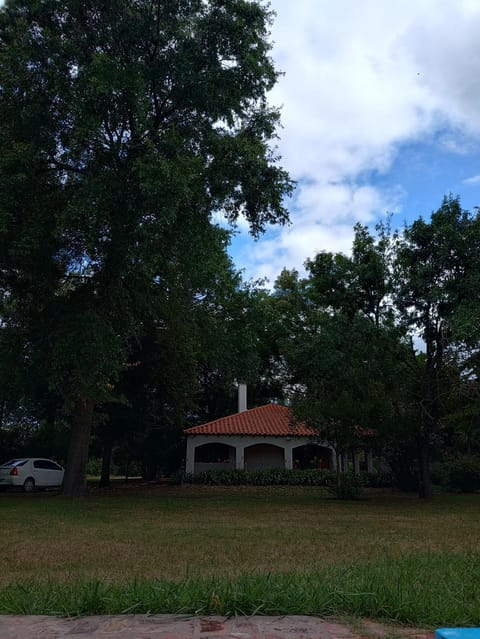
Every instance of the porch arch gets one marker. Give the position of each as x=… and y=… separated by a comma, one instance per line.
x=214, y=456
x=311, y=455
x=259, y=456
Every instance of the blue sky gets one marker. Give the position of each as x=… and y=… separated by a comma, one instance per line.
x=381, y=113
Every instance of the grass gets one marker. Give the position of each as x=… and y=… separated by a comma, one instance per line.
x=282, y=550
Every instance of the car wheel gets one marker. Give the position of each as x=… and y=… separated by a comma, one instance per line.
x=29, y=485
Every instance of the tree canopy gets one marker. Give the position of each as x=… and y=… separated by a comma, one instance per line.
x=124, y=123
x=386, y=339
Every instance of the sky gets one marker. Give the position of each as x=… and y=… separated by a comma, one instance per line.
x=380, y=104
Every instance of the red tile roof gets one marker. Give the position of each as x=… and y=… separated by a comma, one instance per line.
x=271, y=419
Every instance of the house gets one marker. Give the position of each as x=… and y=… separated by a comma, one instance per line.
x=263, y=437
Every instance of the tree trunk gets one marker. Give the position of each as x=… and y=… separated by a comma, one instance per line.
x=425, y=490
x=106, y=462
x=75, y=482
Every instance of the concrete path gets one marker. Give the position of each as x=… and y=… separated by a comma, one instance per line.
x=182, y=627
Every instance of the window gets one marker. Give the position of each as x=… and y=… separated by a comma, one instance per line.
x=16, y=462
x=45, y=464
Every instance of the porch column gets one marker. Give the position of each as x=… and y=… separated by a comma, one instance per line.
x=239, y=457
x=345, y=463
x=370, y=462
x=333, y=459
x=356, y=462
x=288, y=456
x=190, y=460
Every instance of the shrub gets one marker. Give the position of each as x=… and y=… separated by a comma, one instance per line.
x=94, y=466
x=378, y=480
x=461, y=473
x=348, y=486
x=440, y=473
x=265, y=477
x=464, y=473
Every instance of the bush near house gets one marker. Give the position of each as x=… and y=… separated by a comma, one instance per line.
x=283, y=477
x=460, y=473
x=348, y=486
x=382, y=479
x=266, y=477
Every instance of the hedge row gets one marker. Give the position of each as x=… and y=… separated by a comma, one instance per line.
x=461, y=473
x=270, y=477
x=278, y=477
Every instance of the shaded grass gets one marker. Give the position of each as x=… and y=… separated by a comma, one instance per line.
x=239, y=551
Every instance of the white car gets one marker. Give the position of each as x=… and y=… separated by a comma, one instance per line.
x=31, y=473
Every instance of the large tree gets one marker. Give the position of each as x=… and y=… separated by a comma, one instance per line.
x=121, y=119
x=338, y=345
x=356, y=284
x=437, y=270
x=344, y=373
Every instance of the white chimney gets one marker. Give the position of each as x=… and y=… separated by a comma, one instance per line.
x=242, y=397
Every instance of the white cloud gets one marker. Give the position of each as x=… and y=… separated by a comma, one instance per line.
x=362, y=78
x=266, y=258
x=330, y=203
x=341, y=205
x=475, y=179
x=457, y=142
x=445, y=47
x=349, y=93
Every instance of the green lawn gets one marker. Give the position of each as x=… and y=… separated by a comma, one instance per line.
x=225, y=550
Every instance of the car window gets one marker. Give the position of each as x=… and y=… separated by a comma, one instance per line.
x=46, y=464
x=15, y=462
x=10, y=463
x=51, y=465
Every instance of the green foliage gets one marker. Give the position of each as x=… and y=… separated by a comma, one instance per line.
x=348, y=486
x=357, y=284
x=286, y=477
x=460, y=473
x=14, y=439
x=270, y=477
x=25, y=438
x=345, y=387
x=232, y=322
x=94, y=466
x=465, y=474
x=339, y=343
x=126, y=126
x=401, y=455
x=436, y=268
x=382, y=479
x=347, y=345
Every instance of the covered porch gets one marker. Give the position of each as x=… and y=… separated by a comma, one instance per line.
x=206, y=452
